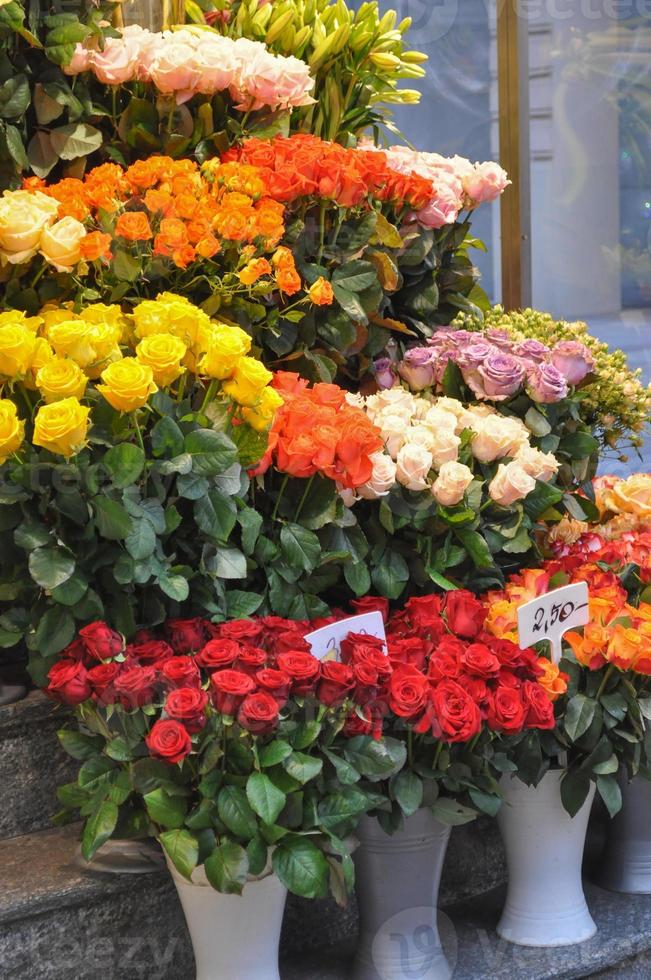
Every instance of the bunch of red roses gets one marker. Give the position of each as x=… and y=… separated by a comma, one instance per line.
x=444, y=675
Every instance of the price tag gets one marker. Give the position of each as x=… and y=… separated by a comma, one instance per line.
x=551, y=615
x=326, y=642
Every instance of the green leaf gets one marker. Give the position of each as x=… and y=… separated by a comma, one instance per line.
x=407, y=790
x=165, y=810
x=451, y=812
x=227, y=867
x=112, y=520
x=578, y=445
x=124, y=463
x=228, y=563
x=355, y=276
x=348, y=803
x=610, y=793
x=235, y=812
x=212, y=452
x=175, y=586
x=15, y=97
x=75, y=140
x=486, y=802
x=300, y=547
x=476, y=547
x=240, y=605
x=16, y=148
x=55, y=630
x=166, y=438
x=301, y=867
x=375, y=759
x=182, y=849
x=578, y=716
x=390, y=575
x=99, y=828
x=216, y=514
x=536, y=422
x=251, y=523
x=70, y=593
x=31, y=535
x=302, y=767
x=141, y=541
x=256, y=852
x=358, y=577
x=265, y=798
x=41, y=154
x=78, y=745
x=273, y=753
x=126, y=267
x=575, y=787
x=50, y=567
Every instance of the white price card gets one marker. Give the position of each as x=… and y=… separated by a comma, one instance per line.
x=551, y=615
x=326, y=642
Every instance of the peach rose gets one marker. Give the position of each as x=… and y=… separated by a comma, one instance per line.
x=413, y=464
x=382, y=480
x=486, y=182
x=60, y=244
x=510, y=484
x=451, y=483
x=631, y=496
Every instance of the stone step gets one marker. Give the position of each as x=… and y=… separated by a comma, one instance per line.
x=32, y=764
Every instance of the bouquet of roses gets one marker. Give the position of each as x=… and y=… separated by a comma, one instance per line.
x=601, y=702
x=227, y=743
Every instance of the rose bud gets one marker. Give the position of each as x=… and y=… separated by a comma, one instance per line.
x=372, y=603
x=228, y=690
x=353, y=640
x=74, y=651
x=217, y=654
x=258, y=713
x=275, y=682
x=187, y=705
x=101, y=641
x=102, y=680
x=68, y=682
x=465, y=614
x=478, y=659
x=335, y=683
x=135, y=686
x=186, y=635
x=169, y=741
x=181, y=672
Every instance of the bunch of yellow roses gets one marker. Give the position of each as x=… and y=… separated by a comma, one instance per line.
x=57, y=365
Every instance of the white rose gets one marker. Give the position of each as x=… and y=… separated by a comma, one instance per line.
x=413, y=466
x=355, y=399
x=452, y=405
x=419, y=435
x=541, y=466
x=446, y=447
x=496, y=437
x=391, y=398
x=60, y=243
x=382, y=480
x=510, y=483
x=451, y=483
x=348, y=496
x=393, y=429
x=438, y=418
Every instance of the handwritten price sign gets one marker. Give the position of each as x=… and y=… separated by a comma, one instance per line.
x=550, y=616
x=326, y=642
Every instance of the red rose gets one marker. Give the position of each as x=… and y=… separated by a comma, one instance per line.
x=506, y=678
x=408, y=692
x=366, y=683
x=251, y=659
x=506, y=712
x=101, y=641
x=242, y=630
x=169, y=741
x=354, y=641
x=181, y=672
x=290, y=640
x=464, y=613
x=228, y=690
x=275, y=682
x=410, y=650
x=74, y=651
x=188, y=705
x=509, y=654
x=335, y=683
x=372, y=656
x=425, y=613
x=143, y=636
x=258, y=713
x=445, y=662
x=218, y=653
x=68, y=682
x=369, y=724
x=151, y=652
x=371, y=603
x=135, y=686
x=476, y=687
x=478, y=659
x=452, y=713
x=303, y=668
x=540, y=710
x=186, y=635
x=102, y=680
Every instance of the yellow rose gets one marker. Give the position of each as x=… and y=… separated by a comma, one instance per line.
x=248, y=382
x=262, y=416
x=631, y=496
x=51, y=314
x=12, y=429
x=127, y=384
x=90, y=345
x=101, y=313
x=163, y=353
x=23, y=219
x=17, y=345
x=226, y=346
x=170, y=314
x=62, y=427
x=61, y=378
x=42, y=354
x=17, y=317
x=60, y=244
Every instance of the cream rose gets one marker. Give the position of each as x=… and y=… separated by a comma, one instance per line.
x=631, y=496
x=451, y=483
x=510, y=484
x=446, y=447
x=437, y=418
x=539, y=465
x=395, y=398
x=394, y=430
x=420, y=435
x=413, y=464
x=382, y=480
x=496, y=436
x=23, y=221
x=60, y=244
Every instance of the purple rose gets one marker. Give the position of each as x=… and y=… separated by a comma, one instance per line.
x=446, y=338
x=573, y=360
x=385, y=372
x=474, y=354
x=546, y=384
x=499, y=377
x=418, y=367
x=500, y=338
x=532, y=350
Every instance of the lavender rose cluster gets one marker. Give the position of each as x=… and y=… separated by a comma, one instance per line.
x=494, y=366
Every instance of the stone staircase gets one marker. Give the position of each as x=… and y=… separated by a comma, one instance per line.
x=59, y=920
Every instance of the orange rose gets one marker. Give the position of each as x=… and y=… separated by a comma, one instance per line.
x=156, y=200
x=94, y=246
x=320, y=292
x=553, y=680
x=183, y=256
x=134, y=226
x=288, y=280
x=625, y=647
x=208, y=246
x=254, y=270
x=589, y=649
x=502, y=620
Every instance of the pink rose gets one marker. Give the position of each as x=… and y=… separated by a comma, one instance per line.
x=265, y=79
x=174, y=70
x=486, y=183
x=217, y=64
x=79, y=62
x=443, y=209
x=573, y=360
